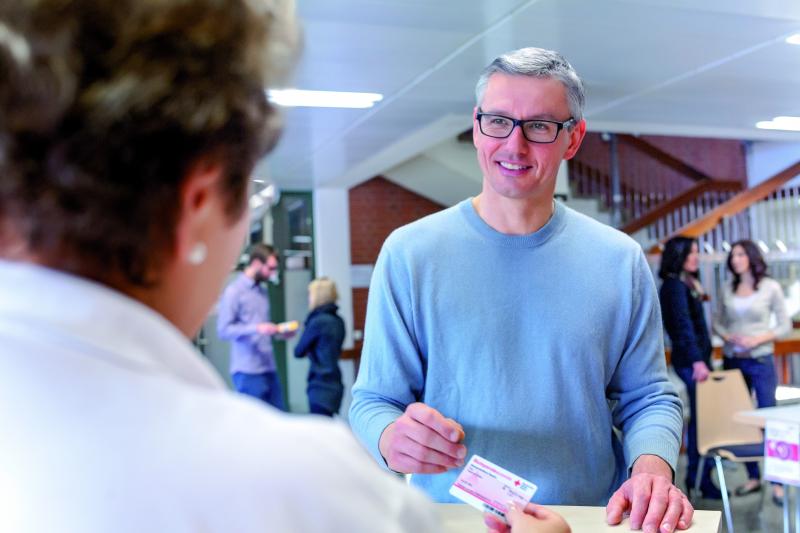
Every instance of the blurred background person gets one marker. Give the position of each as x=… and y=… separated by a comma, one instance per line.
x=244, y=319
x=128, y=131
x=750, y=304
x=681, y=297
x=321, y=342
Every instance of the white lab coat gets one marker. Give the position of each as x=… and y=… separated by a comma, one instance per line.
x=111, y=421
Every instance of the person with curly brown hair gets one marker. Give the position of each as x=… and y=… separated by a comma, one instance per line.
x=128, y=131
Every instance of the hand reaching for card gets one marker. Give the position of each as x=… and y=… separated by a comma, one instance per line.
x=532, y=519
x=422, y=441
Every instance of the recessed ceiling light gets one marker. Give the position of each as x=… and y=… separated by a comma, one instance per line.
x=793, y=39
x=780, y=123
x=301, y=98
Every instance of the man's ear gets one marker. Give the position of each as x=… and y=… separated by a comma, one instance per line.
x=575, y=138
x=199, y=199
x=475, y=130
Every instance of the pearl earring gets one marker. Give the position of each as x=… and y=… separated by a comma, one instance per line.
x=198, y=254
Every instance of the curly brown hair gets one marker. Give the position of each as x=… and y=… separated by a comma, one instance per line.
x=105, y=105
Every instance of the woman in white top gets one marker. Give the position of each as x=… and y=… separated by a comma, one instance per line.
x=747, y=308
x=128, y=132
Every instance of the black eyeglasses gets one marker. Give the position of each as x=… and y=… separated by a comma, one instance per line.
x=536, y=131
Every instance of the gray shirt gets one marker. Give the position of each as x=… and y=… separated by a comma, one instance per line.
x=750, y=316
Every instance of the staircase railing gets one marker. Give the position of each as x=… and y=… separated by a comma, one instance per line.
x=691, y=203
x=767, y=211
x=639, y=194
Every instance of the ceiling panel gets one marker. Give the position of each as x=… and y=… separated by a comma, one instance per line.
x=656, y=66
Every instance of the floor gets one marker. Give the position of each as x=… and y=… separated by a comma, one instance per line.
x=755, y=513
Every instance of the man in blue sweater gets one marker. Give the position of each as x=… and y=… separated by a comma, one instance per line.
x=513, y=327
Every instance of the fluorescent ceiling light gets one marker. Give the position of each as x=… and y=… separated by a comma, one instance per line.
x=780, y=123
x=299, y=98
x=793, y=39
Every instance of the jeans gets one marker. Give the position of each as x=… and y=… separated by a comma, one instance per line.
x=685, y=373
x=265, y=387
x=759, y=374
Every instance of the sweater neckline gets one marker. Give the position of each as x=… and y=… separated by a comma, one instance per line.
x=530, y=240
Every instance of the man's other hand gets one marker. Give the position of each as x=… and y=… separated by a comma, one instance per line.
x=422, y=441
x=655, y=504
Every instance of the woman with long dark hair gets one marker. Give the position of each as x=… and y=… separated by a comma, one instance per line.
x=681, y=298
x=747, y=307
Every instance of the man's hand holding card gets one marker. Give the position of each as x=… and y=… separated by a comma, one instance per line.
x=422, y=441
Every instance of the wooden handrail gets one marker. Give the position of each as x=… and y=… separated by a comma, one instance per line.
x=738, y=203
x=664, y=158
x=676, y=202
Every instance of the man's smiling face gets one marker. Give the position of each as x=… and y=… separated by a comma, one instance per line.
x=514, y=167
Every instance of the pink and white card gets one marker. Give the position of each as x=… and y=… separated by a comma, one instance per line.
x=487, y=487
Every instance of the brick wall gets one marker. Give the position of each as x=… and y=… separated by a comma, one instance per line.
x=378, y=207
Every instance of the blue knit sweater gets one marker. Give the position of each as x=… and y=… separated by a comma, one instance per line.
x=546, y=347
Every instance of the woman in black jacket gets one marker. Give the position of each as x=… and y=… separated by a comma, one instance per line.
x=322, y=342
x=681, y=298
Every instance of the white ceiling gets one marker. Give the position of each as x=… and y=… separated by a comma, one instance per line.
x=681, y=67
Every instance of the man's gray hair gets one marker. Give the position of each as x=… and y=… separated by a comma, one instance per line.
x=537, y=63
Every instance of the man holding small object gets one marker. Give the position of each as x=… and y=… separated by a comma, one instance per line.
x=516, y=328
x=244, y=319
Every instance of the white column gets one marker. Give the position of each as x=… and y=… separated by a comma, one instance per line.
x=332, y=259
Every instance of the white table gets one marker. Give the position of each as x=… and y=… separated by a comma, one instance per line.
x=758, y=418
x=461, y=518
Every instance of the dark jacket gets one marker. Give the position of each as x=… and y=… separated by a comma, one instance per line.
x=322, y=342
x=682, y=311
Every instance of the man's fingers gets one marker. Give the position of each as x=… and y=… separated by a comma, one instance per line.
x=427, y=455
x=407, y=463
x=427, y=416
x=617, y=505
x=429, y=438
x=673, y=513
x=639, y=503
x=458, y=427
x=657, y=506
x=418, y=442
x=686, y=516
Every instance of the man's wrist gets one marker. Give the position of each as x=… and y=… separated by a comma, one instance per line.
x=652, y=464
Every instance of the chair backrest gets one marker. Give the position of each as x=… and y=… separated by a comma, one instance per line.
x=718, y=398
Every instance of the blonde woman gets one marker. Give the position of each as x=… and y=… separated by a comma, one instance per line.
x=322, y=342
